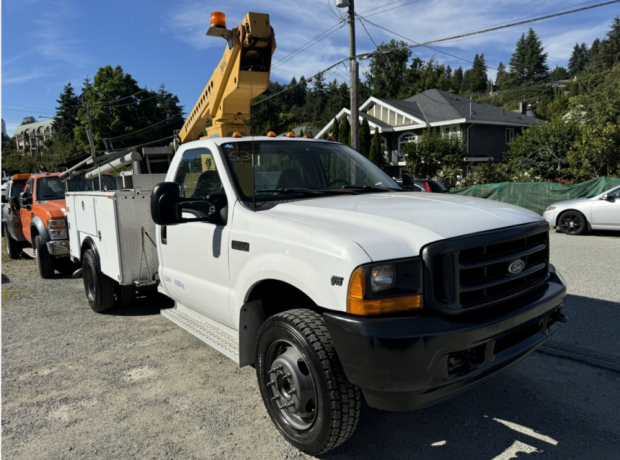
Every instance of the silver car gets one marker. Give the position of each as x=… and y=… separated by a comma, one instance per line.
x=576, y=217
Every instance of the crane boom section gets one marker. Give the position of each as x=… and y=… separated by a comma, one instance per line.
x=241, y=75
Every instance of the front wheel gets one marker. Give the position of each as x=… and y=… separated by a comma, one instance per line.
x=302, y=383
x=45, y=263
x=573, y=223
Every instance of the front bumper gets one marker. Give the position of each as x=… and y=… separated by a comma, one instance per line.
x=406, y=363
x=550, y=217
x=58, y=247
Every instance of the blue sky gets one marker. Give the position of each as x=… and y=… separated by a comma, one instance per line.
x=49, y=43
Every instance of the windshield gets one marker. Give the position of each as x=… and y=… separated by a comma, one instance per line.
x=285, y=170
x=52, y=188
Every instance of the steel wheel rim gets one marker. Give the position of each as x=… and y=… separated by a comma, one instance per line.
x=290, y=385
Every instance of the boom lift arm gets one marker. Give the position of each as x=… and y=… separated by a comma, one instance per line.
x=242, y=74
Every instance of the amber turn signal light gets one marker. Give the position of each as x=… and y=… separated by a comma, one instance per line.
x=357, y=305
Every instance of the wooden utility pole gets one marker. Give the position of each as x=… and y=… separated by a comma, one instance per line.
x=355, y=124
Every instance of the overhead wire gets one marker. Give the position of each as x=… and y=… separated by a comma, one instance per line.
x=442, y=40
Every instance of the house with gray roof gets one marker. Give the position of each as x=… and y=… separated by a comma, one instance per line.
x=29, y=137
x=485, y=129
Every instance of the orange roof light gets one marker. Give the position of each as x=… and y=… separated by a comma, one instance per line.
x=330, y=138
x=290, y=134
x=236, y=134
x=21, y=176
x=271, y=134
x=308, y=135
x=218, y=19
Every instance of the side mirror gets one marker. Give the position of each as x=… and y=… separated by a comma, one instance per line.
x=407, y=181
x=4, y=199
x=166, y=209
x=24, y=200
x=605, y=197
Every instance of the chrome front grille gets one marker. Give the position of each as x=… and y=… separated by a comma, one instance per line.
x=472, y=273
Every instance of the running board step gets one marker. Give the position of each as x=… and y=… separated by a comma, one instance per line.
x=222, y=338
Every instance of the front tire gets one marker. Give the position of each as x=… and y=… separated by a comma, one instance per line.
x=13, y=248
x=573, y=223
x=45, y=263
x=302, y=383
x=100, y=290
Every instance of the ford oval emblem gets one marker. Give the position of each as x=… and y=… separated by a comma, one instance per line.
x=516, y=266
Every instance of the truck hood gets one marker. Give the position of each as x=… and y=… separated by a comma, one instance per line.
x=396, y=225
x=55, y=209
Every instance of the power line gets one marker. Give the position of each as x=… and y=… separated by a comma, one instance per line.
x=141, y=131
x=393, y=8
x=310, y=43
x=381, y=6
x=368, y=33
x=441, y=40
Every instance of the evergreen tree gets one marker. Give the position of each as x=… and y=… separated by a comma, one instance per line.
x=344, y=131
x=66, y=113
x=376, y=150
x=528, y=64
x=559, y=73
x=610, y=46
x=578, y=59
x=594, y=57
x=457, y=79
x=500, y=78
x=478, y=76
x=365, y=138
x=335, y=134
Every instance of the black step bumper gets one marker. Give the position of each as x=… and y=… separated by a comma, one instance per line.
x=406, y=363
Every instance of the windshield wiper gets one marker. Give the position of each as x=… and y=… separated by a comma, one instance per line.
x=372, y=188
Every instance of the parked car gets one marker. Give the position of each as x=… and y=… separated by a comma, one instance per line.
x=422, y=185
x=576, y=217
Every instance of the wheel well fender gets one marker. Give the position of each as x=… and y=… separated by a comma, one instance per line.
x=267, y=298
x=87, y=244
x=37, y=227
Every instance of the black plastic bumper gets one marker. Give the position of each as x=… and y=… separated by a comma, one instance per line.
x=407, y=363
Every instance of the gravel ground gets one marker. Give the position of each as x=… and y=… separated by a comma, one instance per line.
x=78, y=385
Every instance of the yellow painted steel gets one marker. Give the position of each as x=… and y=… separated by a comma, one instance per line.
x=241, y=75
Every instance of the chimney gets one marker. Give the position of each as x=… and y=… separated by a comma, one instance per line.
x=522, y=108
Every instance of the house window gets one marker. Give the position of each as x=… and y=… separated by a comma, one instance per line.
x=451, y=131
x=510, y=134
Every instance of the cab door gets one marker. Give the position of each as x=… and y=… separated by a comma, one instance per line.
x=194, y=255
x=25, y=213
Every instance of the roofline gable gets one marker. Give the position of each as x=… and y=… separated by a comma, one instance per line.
x=372, y=99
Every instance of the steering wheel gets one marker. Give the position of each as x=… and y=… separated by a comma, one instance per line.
x=335, y=181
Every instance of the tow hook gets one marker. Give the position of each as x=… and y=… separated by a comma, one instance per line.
x=562, y=318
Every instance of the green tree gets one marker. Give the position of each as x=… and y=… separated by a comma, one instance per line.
x=434, y=156
x=540, y=152
x=387, y=73
x=66, y=118
x=559, y=73
x=602, y=103
x=335, y=130
x=578, y=59
x=344, y=131
x=528, y=64
x=376, y=150
x=478, y=76
x=610, y=46
x=596, y=152
x=365, y=138
x=457, y=80
x=500, y=78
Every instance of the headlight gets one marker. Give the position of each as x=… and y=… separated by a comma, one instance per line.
x=394, y=287
x=550, y=208
x=382, y=277
x=57, y=229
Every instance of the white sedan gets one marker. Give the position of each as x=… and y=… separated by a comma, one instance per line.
x=575, y=217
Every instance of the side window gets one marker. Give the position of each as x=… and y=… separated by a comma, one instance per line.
x=198, y=177
x=28, y=189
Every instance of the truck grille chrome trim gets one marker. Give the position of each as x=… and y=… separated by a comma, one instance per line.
x=471, y=273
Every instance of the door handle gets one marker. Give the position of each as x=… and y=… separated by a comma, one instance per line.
x=164, y=234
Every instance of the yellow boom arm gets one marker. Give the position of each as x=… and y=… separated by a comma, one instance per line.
x=242, y=74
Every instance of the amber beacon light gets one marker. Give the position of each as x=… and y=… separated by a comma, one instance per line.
x=218, y=19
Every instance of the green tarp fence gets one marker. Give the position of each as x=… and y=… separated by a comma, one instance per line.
x=536, y=196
